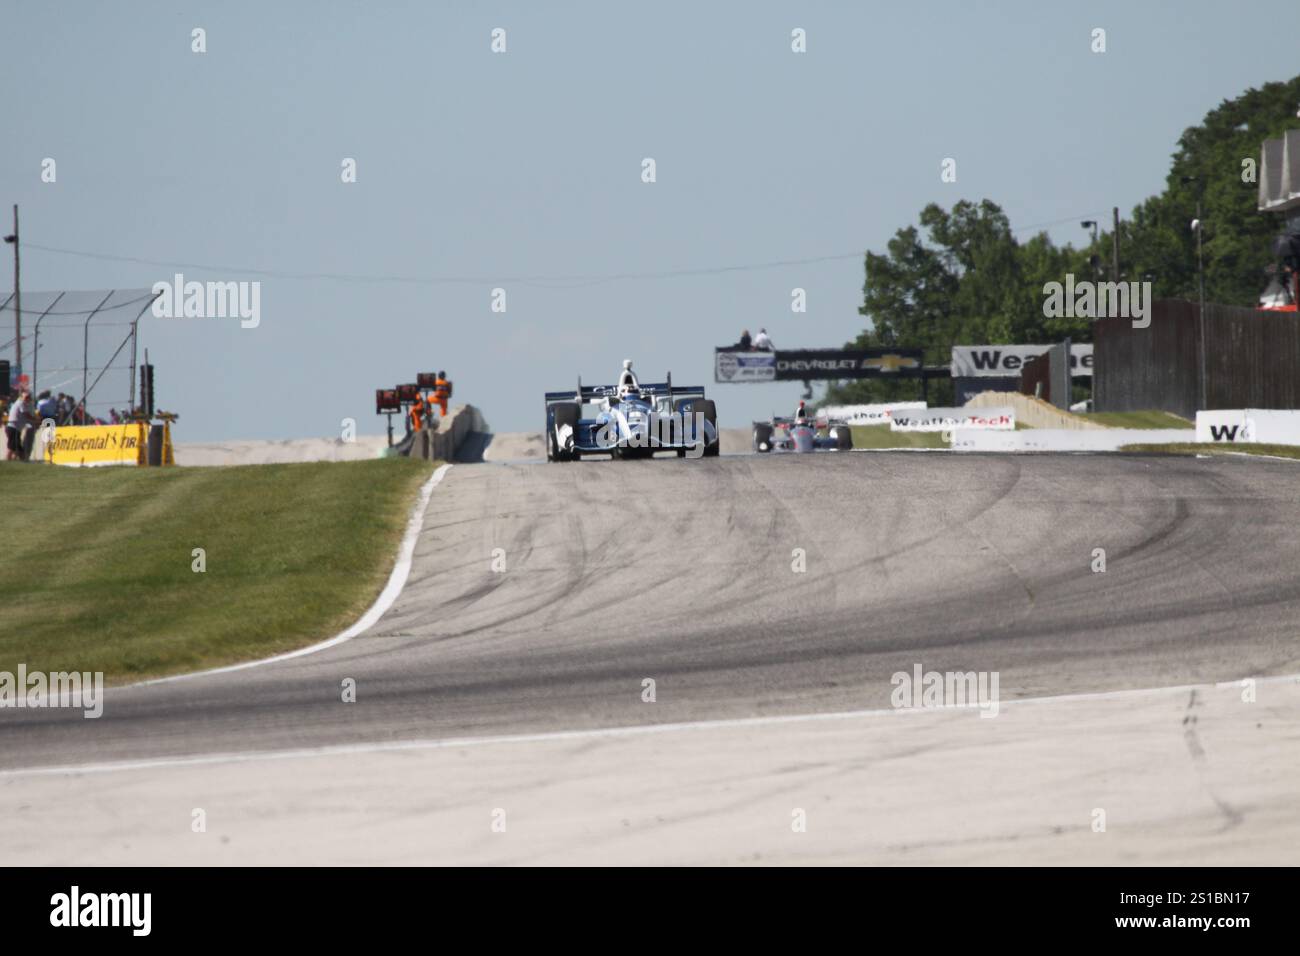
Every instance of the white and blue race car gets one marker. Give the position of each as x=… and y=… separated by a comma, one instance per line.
x=630, y=420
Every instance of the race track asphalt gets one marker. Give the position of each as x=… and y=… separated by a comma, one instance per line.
x=684, y=573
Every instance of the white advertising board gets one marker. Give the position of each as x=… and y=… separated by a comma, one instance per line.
x=1270, y=426
x=947, y=419
x=866, y=414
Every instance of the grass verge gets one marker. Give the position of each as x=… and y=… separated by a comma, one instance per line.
x=880, y=436
x=1144, y=419
x=99, y=561
x=1206, y=448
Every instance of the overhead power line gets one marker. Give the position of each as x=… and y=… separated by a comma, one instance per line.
x=543, y=280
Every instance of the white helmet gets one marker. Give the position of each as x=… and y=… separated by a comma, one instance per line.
x=627, y=382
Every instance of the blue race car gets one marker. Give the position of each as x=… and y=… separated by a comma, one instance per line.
x=630, y=420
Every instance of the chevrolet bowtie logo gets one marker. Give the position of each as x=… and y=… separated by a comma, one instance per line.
x=890, y=363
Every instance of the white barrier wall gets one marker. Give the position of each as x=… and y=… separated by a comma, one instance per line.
x=1066, y=439
x=866, y=414
x=948, y=419
x=1269, y=426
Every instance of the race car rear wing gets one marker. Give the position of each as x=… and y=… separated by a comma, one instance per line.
x=821, y=421
x=586, y=393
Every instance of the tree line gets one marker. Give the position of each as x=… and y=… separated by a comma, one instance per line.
x=961, y=277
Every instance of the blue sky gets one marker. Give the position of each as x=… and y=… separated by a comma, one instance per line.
x=478, y=170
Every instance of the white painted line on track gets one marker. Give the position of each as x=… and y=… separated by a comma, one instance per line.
x=396, y=581
x=637, y=730
x=1251, y=454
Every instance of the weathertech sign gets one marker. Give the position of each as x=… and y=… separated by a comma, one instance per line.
x=1008, y=361
x=1269, y=426
x=948, y=419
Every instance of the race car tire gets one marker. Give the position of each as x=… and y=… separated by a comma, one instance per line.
x=565, y=414
x=762, y=438
x=705, y=407
x=843, y=436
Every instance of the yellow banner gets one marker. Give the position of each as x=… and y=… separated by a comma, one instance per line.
x=98, y=444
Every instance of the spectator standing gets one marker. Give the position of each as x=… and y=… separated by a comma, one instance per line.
x=47, y=407
x=20, y=418
x=762, y=342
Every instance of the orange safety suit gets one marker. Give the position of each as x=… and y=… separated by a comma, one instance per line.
x=442, y=392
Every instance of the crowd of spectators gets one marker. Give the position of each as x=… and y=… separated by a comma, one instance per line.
x=758, y=343
x=22, y=416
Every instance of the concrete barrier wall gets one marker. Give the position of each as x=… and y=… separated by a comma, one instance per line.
x=1033, y=412
x=460, y=421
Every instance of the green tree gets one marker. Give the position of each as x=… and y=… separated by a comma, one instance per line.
x=1158, y=242
x=967, y=280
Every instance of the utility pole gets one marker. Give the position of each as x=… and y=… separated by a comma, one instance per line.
x=1198, y=226
x=1200, y=269
x=1093, y=260
x=1114, y=261
x=18, y=304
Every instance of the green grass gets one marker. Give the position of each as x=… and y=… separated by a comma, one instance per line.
x=880, y=436
x=1206, y=448
x=1144, y=419
x=98, y=560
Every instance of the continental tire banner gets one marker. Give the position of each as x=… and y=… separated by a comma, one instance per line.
x=98, y=444
x=1005, y=361
x=949, y=419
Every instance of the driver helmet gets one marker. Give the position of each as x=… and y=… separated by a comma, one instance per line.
x=627, y=379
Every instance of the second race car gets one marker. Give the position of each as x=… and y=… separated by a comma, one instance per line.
x=802, y=434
